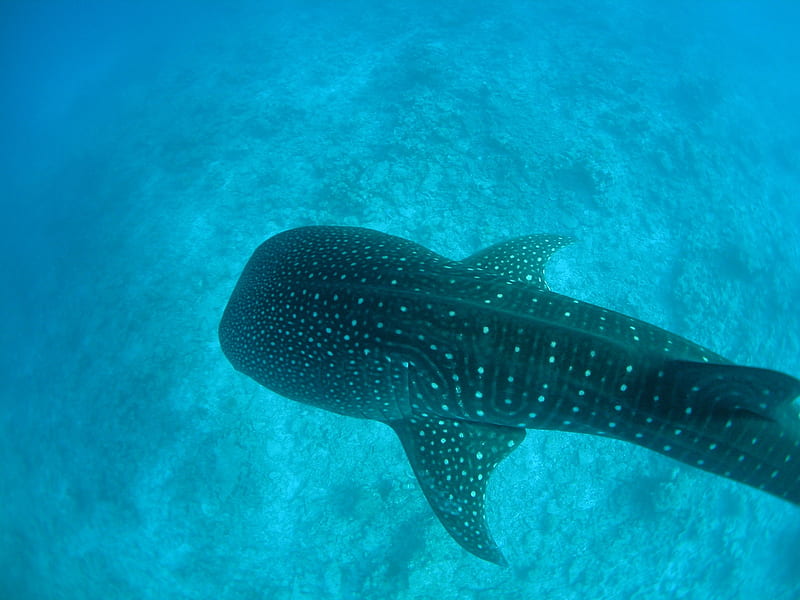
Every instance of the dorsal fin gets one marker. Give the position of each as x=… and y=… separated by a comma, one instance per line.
x=453, y=461
x=521, y=258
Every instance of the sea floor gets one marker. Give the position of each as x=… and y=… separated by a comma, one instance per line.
x=138, y=464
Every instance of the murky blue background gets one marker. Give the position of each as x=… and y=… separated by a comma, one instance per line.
x=148, y=147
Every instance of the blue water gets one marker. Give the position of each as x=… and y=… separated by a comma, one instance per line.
x=146, y=151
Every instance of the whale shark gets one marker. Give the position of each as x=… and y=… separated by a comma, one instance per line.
x=461, y=357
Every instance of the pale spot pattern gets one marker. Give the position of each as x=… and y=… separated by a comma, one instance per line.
x=459, y=357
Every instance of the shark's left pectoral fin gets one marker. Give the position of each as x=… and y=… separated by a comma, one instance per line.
x=453, y=461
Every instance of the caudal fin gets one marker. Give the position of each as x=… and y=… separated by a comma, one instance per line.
x=739, y=422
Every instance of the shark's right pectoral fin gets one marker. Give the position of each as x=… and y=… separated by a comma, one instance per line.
x=453, y=461
x=522, y=258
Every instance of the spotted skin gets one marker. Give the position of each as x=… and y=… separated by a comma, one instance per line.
x=461, y=357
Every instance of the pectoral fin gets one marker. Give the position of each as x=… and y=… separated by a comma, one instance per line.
x=522, y=258
x=453, y=461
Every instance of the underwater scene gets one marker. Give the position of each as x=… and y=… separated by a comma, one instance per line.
x=649, y=150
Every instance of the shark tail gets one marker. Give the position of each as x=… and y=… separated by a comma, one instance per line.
x=739, y=422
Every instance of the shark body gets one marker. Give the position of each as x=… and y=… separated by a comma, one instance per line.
x=461, y=357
